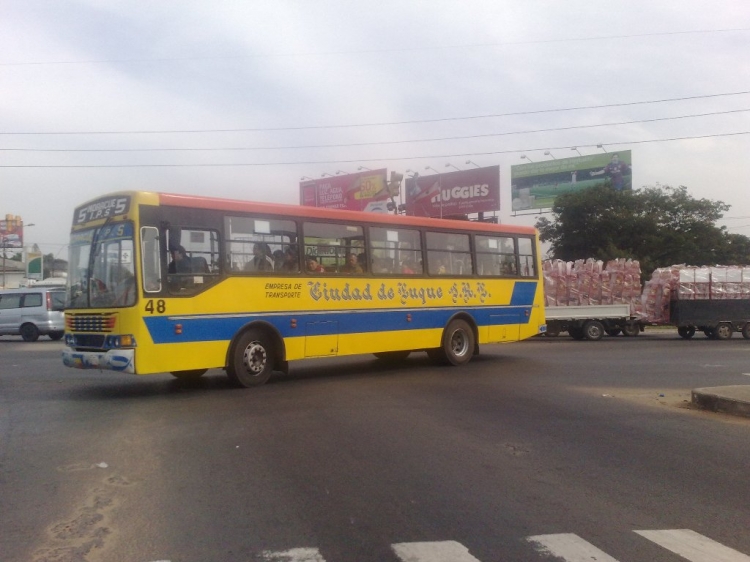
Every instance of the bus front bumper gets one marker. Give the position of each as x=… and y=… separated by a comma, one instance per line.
x=122, y=360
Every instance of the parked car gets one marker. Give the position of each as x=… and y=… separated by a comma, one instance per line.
x=32, y=311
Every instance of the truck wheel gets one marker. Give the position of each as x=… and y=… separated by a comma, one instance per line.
x=576, y=333
x=252, y=359
x=746, y=331
x=631, y=329
x=686, y=332
x=723, y=331
x=709, y=333
x=552, y=332
x=593, y=330
x=613, y=332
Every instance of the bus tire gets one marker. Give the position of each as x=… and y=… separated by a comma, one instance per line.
x=686, y=332
x=593, y=330
x=29, y=332
x=392, y=355
x=458, y=342
x=191, y=375
x=631, y=329
x=723, y=331
x=746, y=331
x=252, y=360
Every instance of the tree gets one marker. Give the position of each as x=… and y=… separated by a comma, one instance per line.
x=53, y=266
x=659, y=226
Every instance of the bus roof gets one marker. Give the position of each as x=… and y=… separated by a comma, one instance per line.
x=299, y=211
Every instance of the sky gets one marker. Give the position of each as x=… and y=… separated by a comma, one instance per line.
x=233, y=98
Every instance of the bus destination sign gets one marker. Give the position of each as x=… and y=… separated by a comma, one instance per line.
x=103, y=208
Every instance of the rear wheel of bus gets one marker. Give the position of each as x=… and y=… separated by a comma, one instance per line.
x=458, y=344
x=252, y=359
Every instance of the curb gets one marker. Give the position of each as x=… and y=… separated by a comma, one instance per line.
x=733, y=400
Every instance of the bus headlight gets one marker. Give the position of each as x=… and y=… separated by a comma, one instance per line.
x=124, y=340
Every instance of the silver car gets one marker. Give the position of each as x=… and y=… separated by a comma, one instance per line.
x=32, y=312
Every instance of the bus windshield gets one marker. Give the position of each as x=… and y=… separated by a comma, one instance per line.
x=102, y=267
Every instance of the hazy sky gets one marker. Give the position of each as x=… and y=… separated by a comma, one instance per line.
x=131, y=76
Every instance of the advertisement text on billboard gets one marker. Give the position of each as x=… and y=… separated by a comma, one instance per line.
x=454, y=193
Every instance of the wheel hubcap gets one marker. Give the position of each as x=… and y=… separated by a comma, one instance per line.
x=255, y=358
x=459, y=343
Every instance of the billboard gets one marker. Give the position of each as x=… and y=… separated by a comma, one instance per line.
x=536, y=185
x=11, y=232
x=454, y=193
x=365, y=191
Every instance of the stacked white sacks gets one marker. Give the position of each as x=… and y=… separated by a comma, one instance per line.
x=683, y=282
x=589, y=282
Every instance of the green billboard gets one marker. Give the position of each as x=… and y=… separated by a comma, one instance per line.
x=538, y=184
x=34, y=265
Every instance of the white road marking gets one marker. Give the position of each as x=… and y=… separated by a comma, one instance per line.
x=294, y=555
x=693, y=546
x=440, y=551
x=569, y=547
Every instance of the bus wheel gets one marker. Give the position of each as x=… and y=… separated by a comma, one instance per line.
x=723, y=331
x=252, y=360
x=29, y=332
x=192, y=375
x=392, y=355
x=686, y=332
x=458, y=342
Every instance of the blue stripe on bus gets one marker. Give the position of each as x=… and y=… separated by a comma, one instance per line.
x=523, y=293
x=224, y=327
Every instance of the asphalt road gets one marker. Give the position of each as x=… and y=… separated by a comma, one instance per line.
x=550, y=446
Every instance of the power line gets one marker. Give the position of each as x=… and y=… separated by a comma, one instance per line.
x=382, y=124
x=360, y=160
x=376, y=143
x=384, y=50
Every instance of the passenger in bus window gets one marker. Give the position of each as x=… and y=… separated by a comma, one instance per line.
x=291, y=263
x=352, y=264
x=278, y=260
x=314, y=267
x=408, y=267
x=180, y=261
x=262, y=260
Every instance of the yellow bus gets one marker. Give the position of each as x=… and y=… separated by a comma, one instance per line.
x=181, y=284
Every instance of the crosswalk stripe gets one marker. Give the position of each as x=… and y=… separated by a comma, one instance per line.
x=569, y=547
x=440, y=551
x=294, y=555
x=694, y=546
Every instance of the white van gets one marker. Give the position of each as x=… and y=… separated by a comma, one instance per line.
x=32, y=311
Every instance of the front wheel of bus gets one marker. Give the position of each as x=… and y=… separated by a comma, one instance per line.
x=458, y=342
x=252, y=360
